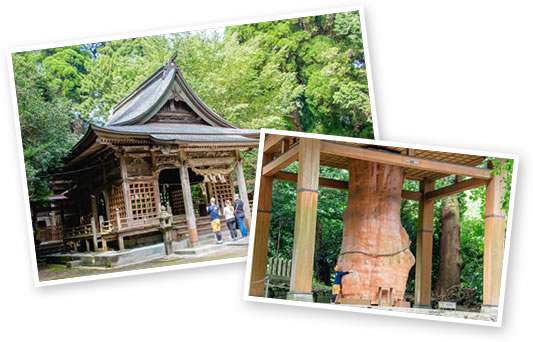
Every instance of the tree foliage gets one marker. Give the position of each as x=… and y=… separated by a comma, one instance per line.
x=326, y=53
x=45, y=122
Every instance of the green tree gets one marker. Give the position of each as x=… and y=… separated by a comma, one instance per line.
x=65, y=68
x=326, y=53
x=45, y=123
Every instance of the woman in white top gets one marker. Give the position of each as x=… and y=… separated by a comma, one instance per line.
x=230, y=219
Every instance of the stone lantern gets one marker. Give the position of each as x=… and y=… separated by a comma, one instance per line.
x=165, y=227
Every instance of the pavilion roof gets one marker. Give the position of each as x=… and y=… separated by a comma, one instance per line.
x=132, y=118
x=341, y=162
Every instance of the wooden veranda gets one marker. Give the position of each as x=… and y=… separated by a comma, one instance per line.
x=425, y=166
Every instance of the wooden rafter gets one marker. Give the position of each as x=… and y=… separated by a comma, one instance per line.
x=404, y=161
x=337, y=184
x=282, y=161
x=271, y=142
x=455, y=188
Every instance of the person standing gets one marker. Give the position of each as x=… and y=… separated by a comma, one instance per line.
x=336, y=290
x=230, y=219
x=238, y=204
x=213, y=210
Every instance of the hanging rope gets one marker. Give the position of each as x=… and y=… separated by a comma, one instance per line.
x=213, y=174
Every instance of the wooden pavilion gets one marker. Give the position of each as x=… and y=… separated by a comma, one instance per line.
x=161, y=146
x=424, y=166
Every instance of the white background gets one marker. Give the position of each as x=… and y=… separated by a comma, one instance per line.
x=454, y=73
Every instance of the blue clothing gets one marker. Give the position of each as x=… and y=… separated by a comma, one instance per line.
x=338, y=277
x=213, y=212
x=239, y=207
x=242, y=225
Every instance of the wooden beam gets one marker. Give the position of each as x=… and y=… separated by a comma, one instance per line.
x=412, y=195
x=349, y=151
x=243, y=193
x=189, y=209
x=261, y=234
x=305, y=221
x=494, y=241
x=323, y=182
x=455, y=188
x=424, y=247
x=282, y=161
x=337, y=184
x=271, y=141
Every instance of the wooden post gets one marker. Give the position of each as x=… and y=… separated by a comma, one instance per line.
x=424, y=247
x=189, y=209
x=243, y=193
x=261, y=234
x=494, y=242
x=94, y=209
x=125, y=186
x=120, y=239
x=305, y=222
x=93, y=230
x=101, y=223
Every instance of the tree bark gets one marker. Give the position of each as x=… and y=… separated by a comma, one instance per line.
x=375, y=246
x=450, y=247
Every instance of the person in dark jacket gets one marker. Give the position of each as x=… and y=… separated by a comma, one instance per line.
x=238, y=205
x=214, y=214
x=337, y=283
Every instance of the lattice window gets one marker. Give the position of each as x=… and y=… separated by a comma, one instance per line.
x=164, y=197
x=222, y=191
x=178, y=204
x=117, y=201
x=143, y=201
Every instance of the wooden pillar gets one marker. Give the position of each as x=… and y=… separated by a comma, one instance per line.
x=424, y=247
x=125, y=187
x=261, y=234
x=120, y=240
x=93, y=231
x=305, y=222
x=243, y=193
x=94, y=209
x=189, y=208
x=494, y=242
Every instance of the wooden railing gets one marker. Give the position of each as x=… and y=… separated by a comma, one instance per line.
x=279, y=268
x=79, y=231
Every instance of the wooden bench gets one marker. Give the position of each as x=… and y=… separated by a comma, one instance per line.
x=389, y=290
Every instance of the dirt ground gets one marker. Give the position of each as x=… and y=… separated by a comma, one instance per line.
x=52, y=272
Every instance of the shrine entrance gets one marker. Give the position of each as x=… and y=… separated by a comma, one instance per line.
x=171, y=192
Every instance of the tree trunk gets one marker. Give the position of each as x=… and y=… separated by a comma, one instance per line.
x=295, y=118
x=450, y=247
x=375, y=246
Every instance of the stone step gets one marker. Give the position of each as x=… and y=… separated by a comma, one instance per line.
x=200, y=250
x=73, y=263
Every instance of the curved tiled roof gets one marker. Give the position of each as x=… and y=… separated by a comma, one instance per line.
x=137, y=104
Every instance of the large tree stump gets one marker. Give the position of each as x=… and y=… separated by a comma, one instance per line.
x=375, y=246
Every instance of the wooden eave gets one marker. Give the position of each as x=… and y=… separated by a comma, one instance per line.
x=336, y=160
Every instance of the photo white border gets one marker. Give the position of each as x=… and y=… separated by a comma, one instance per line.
x=176, y=29
x=247, y=297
